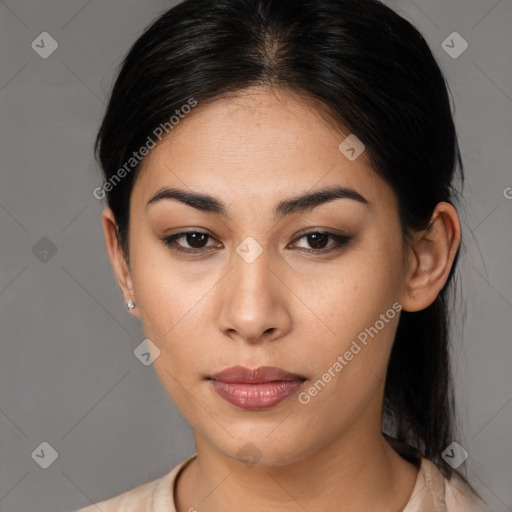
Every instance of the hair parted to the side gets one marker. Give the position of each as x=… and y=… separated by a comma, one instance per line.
x=376, y=77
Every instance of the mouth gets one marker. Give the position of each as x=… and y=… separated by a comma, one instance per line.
x=255, y=389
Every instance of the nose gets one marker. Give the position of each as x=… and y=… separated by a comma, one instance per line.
x=254, y=301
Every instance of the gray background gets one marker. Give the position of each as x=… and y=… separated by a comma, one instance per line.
x=68, y=375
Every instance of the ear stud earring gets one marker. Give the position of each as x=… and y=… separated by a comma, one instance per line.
x=130, y=304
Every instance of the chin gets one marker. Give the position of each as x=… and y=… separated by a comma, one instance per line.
x=261, y=451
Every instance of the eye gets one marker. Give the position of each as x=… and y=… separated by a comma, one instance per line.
x=318, y=241
x=196, y=241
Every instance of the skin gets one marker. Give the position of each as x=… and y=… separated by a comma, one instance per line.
x=289, y=308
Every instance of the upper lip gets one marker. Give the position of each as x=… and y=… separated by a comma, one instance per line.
x=258, y=375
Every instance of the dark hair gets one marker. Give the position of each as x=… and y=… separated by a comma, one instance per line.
x=374, y=75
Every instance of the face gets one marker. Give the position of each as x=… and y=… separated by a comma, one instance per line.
x=314, y=291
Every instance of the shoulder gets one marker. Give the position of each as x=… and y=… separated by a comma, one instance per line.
x=459, y=498
x=154, y=496
x=434, y=492
x=134, y=500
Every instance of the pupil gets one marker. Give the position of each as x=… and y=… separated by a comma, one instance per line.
x=315, y=243
x=190, y=237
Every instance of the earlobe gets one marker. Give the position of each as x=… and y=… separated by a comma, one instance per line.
x=431, y=256
x=117, y=259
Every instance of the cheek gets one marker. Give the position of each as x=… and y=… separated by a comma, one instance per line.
x=168, y=294
x=175, y=315
x=352, y=295
x=348, y=368
x=355, y=313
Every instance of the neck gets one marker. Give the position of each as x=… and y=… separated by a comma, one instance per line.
x=354, y=472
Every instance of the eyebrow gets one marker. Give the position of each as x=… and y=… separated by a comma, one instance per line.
x=301, y=203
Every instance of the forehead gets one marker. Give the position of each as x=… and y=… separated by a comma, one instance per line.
x=254, y=145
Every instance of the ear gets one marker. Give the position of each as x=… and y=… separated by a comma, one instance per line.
x=121, y=269
x=430, y=258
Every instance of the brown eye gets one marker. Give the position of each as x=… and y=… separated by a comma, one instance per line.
x=318, y=240
x=195, y=241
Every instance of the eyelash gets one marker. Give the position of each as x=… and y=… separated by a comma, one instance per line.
x=339, y=242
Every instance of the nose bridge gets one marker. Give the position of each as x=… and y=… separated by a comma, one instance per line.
x=251, y=301
x=251, y=274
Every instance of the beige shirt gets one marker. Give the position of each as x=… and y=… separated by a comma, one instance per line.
x=431, y=493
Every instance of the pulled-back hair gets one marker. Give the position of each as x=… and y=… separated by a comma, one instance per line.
x=373, y=75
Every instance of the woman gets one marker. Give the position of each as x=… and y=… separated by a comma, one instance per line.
x=280, y=218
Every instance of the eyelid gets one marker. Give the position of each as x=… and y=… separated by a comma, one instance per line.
x=169, y=239
x=340, y=241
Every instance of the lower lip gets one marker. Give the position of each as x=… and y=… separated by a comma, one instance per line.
x=255, y=397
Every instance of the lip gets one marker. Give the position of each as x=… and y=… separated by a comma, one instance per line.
x=255, y=389
x=260, y=375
